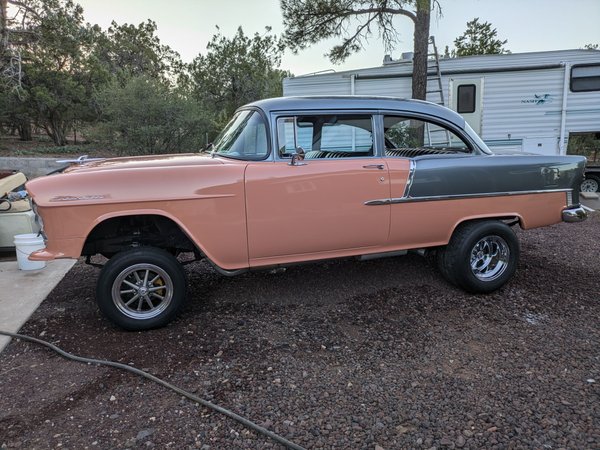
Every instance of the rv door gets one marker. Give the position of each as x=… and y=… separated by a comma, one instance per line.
x=466, y=98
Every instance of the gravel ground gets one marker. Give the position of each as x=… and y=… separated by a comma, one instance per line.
x=346, y=355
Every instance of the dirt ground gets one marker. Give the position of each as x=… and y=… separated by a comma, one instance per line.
x=345, y=355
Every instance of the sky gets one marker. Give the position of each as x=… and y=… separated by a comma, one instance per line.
x=187, y=26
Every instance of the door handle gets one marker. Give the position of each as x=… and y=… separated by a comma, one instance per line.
x=374, y=166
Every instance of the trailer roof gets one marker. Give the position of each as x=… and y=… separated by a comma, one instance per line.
x=358, y=102
x=477, y=63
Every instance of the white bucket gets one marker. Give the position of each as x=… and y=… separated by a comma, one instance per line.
x=25, y=245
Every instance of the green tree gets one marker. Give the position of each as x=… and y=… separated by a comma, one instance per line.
x=64, y=61
x=146, y=115
x=129, y=50
x=60, y=74
x=57, y=75
x=234, y=72
x=479, y=39
x=354, y=21
x=16, y=32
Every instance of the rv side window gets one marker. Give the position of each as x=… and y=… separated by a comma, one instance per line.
x=585, y=78
x=466, y=98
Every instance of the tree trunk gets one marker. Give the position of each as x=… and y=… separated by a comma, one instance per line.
x=3, y=27
x=57, y=130
x=421, y=45
x=24, y=128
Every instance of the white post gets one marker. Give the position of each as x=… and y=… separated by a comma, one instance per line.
x=563, y=112
x=352, y=81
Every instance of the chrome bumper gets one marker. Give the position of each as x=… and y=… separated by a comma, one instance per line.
x=575, y=213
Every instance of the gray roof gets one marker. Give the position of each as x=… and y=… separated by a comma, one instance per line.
x=358, y=102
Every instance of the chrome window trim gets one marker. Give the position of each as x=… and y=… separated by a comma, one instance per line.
x=388, y=201
x=460, y=132
x=276, y=115
x=410, y=179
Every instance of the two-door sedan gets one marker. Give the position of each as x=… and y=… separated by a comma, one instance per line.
x=299, y=179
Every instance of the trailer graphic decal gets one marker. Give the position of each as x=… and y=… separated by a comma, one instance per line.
x=539, y=99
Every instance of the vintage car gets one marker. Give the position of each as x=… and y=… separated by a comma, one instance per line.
x=291, y=180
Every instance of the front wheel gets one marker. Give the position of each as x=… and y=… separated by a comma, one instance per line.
x=481, y=256
x=142, y=288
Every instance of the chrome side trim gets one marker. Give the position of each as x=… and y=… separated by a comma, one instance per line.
x=374, y=166
x=411, y=176
x=459, y=196
x=383, y=201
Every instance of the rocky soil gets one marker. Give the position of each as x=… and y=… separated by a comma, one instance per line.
x=346, y=355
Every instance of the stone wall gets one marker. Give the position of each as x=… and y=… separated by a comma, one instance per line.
x=31, y=167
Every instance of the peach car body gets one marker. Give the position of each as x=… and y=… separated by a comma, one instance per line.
x=276, y=208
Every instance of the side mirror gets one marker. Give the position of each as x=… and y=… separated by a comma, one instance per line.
x=298, y=157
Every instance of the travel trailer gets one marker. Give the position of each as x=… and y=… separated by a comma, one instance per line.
x=530, y=102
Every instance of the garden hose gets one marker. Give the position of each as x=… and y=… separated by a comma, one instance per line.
x=151, y=377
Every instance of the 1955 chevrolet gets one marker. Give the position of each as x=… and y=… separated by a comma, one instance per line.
x=291, y=180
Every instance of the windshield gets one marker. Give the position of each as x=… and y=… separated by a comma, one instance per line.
x=244, y=137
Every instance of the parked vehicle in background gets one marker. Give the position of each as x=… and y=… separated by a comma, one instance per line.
x=16, y=216
x=592, y=179
x=291, y=180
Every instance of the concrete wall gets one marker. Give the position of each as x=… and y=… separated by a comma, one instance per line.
x=31, y=167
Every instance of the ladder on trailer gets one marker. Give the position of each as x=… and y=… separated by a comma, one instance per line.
x=434, y=87
x=434, y=74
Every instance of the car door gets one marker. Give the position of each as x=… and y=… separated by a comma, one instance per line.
x=315, y=208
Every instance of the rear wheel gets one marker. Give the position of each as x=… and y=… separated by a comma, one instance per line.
x=141, y=288
x=481, y=256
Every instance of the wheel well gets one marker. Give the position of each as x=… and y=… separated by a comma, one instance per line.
x=508, y=220
x=119, y=233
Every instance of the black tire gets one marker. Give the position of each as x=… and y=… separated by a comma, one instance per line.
x=590, y=184
x=142, y=288
x=493, y=249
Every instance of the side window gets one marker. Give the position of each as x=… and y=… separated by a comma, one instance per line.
x=326, y=136
x=585, y=78
x=466, y=98
x=409, y=137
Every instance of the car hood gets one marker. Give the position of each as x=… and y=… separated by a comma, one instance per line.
x=141, y=162
x=138, y=180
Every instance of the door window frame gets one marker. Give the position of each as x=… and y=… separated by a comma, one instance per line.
x=475, y=150
x=377, y=149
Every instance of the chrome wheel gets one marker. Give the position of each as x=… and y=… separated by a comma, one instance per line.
x=589, y=185
x=142, y=291
x=489, y=258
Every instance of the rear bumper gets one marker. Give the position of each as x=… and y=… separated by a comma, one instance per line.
x=575, y=213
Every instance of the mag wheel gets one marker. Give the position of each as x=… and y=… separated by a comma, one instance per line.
x=141, y=288
x=480, y=257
